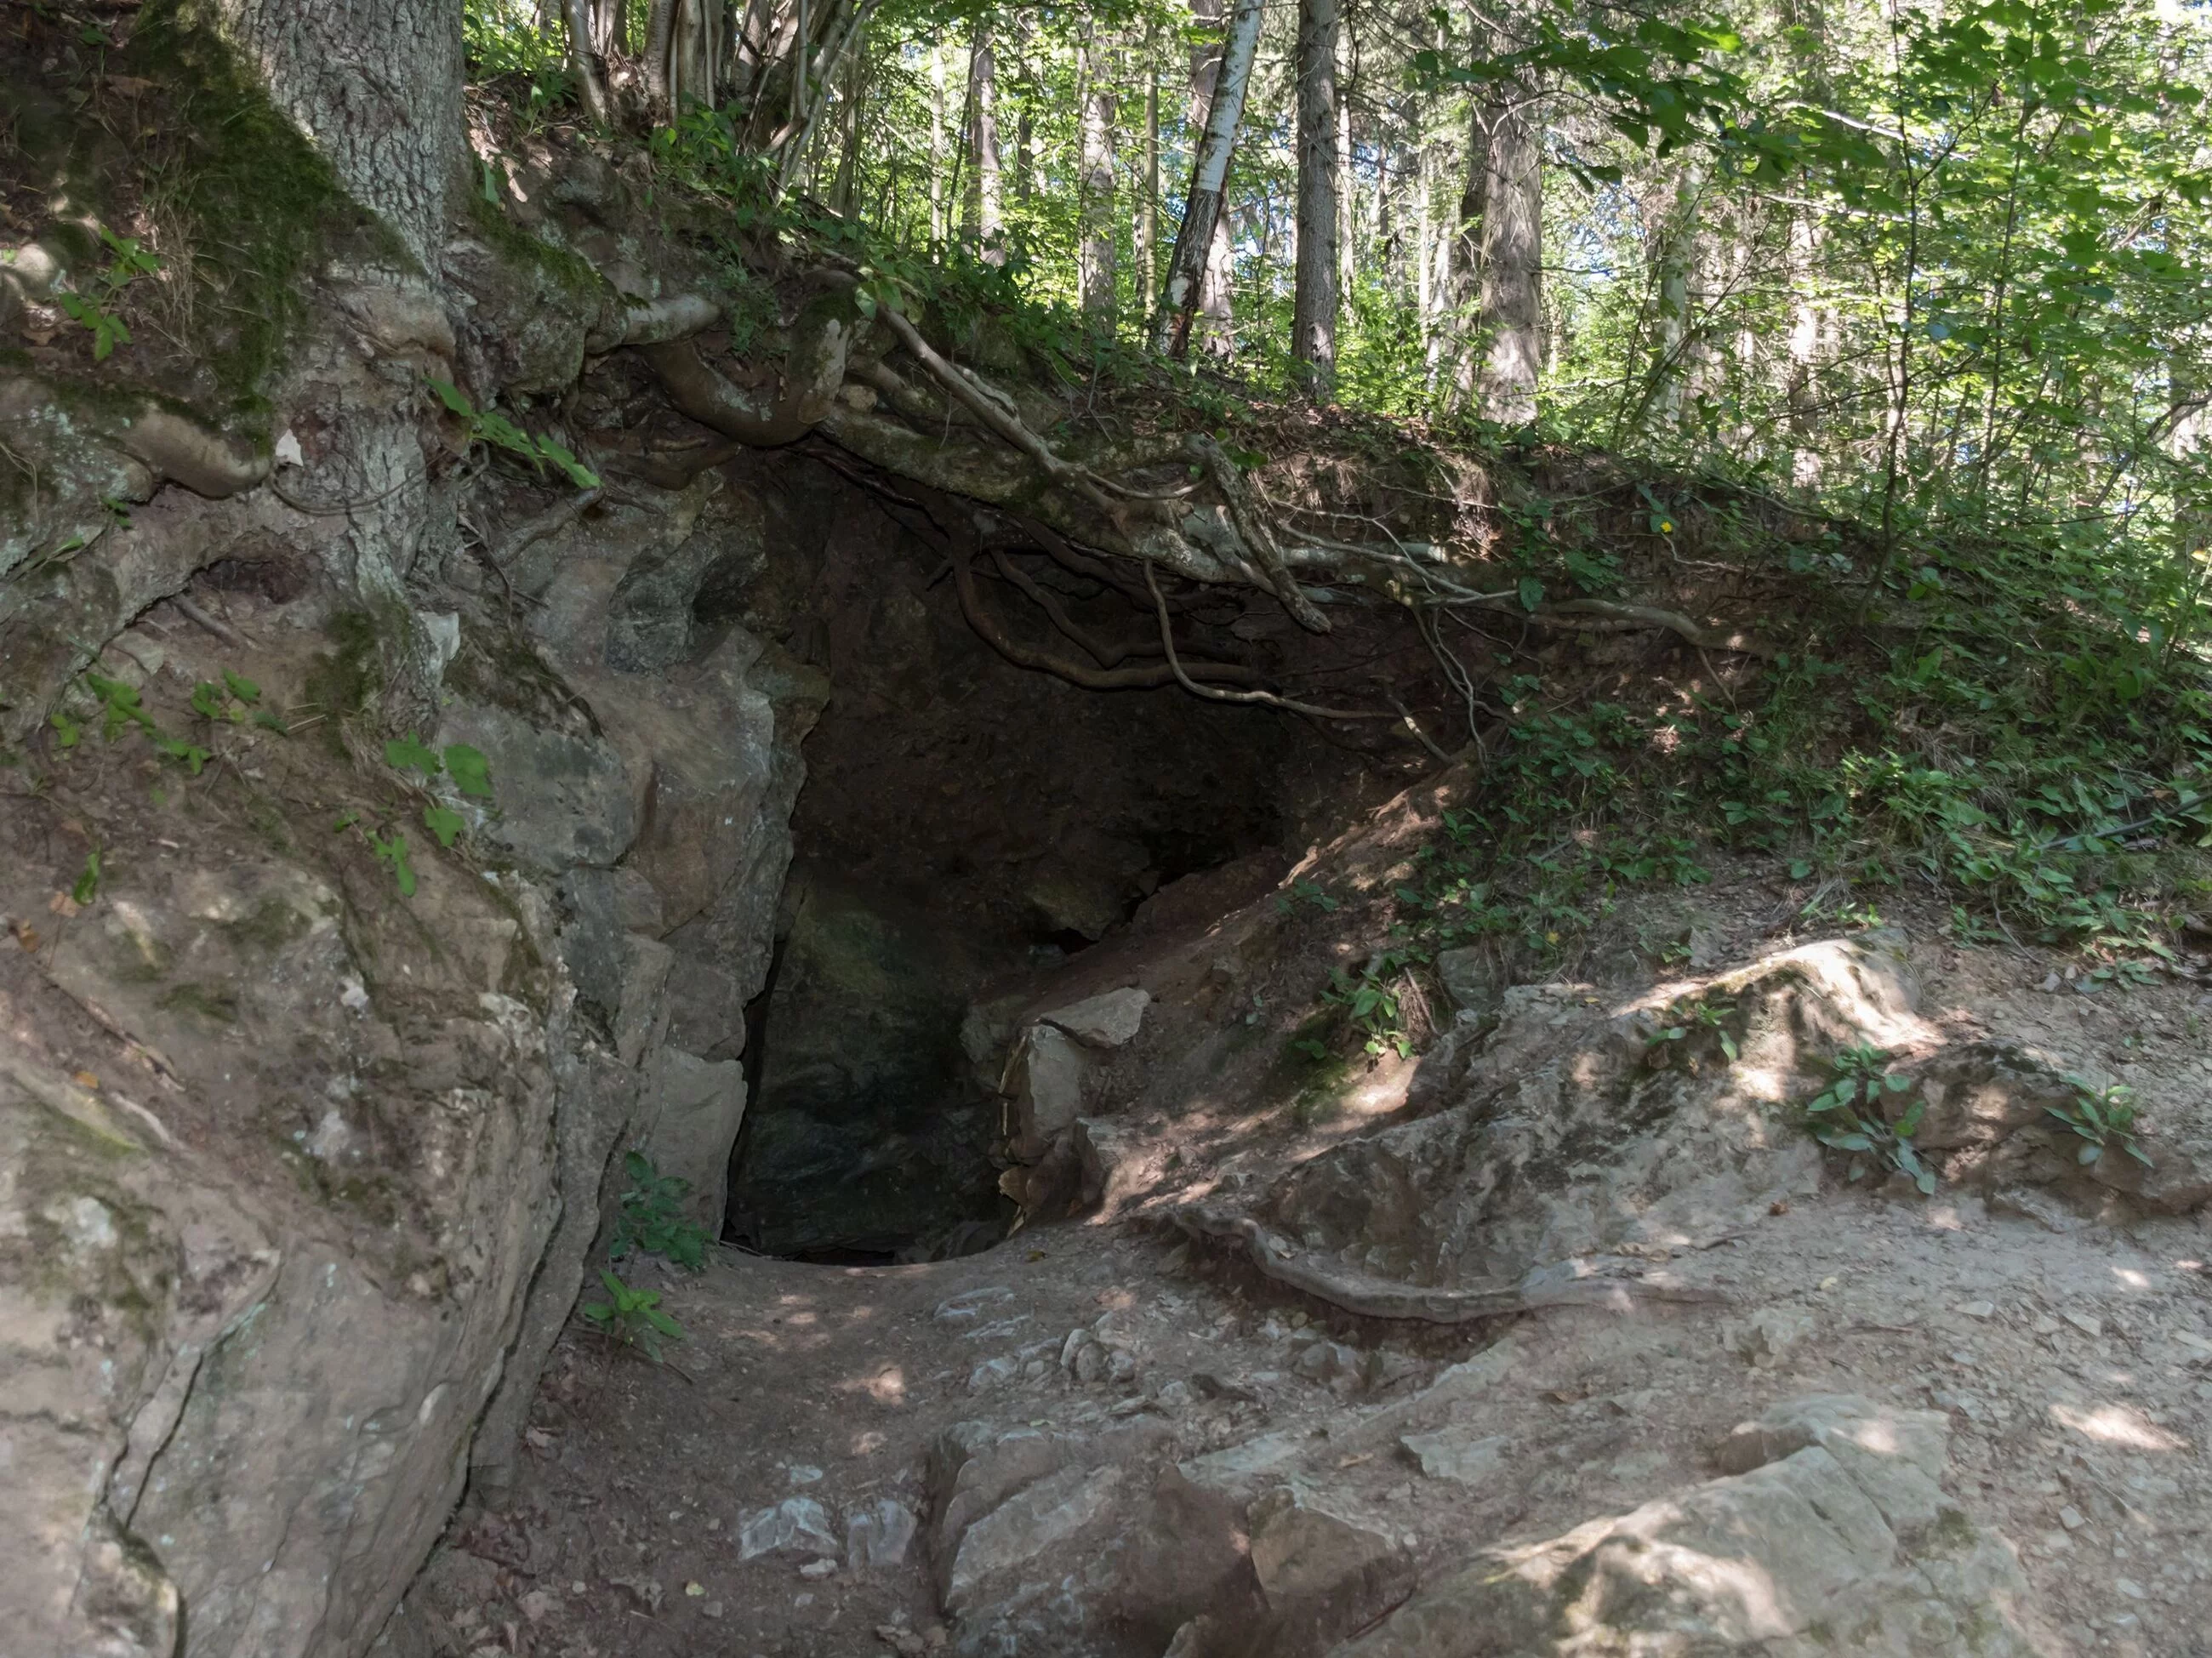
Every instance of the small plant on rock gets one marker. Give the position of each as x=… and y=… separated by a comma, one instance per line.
x=632, y=1317
x=1689, y=1017
x=1848, y=1115
x=2103, y=1118
x=653, y=1221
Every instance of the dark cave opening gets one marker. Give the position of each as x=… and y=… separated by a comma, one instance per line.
x=967, y=831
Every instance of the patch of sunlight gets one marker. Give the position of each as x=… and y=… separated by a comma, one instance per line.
x=886, y=1387
x=1383, y=1089
x=2132, y=1278
x=2118, y=1425
x=1944, y=1217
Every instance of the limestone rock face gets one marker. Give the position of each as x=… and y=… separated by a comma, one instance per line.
x=1836, y=1537
x=257, y=1290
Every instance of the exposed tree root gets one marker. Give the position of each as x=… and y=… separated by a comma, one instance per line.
x=1175, y=665
x=1579, y=1281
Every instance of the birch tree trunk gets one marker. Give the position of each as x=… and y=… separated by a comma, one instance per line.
x=1510, y=288
x=987, y=199
x=936, y=157
x=1202, y=219
x=1677, y=258
x=1148, y=209
x=1314, y=299
x=1095, y=264
x=1346, y=186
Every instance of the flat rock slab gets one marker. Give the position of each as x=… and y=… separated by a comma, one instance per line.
x=1843, y=1542
x=1108, y=1020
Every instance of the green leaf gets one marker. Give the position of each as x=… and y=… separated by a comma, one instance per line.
x=207, y=701
x=393, y=850
x=87, y=881
x=472, y=771
x=346, y=821
x=67, y=731
x=1532, y=593
x=444, y=822
x=1909, y=1125
x=452, y=396
x=242, y=687
x=408, y=753
x=577, y=473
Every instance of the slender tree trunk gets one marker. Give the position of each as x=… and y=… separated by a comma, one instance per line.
x=985, y=198
x=659, y=29
x=583, y=59
x=1095, y=264
x=1025, y=93
x=610, y=26
x=1314, y=299
x=849, y=149
x=1677, y=262
x=1467, y=259
x=1214, y=330
x=1148, y=208
x=1346, y=185
x=937, y=145
x=1511, y=294
x=1202, y=219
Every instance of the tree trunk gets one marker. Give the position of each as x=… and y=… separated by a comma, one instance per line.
x=848, y=151
x=660, y=28
x=1314, y=302
x=583, y=59
x=1025, y=122
x=1148, y=208
x=1510, y=289
x=1466, y=257
x=394, y=141
x=936, y=146
x=987, y=199
x=1202, y=221
x=1346, y=186
x=1677, y=242
x=1095, y=271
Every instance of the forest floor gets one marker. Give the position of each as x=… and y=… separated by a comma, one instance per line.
x=2070, y=1347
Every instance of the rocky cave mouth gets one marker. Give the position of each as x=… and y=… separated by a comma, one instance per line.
x=969, y=834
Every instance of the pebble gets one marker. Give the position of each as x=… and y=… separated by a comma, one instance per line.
x=813, y=1570
x=2129, y=1587
x=2084, y=1323
x=2046, y=1325
x=2071, y=1517
x=1978, y=1308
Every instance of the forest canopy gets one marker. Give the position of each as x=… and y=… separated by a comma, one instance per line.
x=1936, y=264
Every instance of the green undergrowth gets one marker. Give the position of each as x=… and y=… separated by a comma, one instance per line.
x=2014, y=734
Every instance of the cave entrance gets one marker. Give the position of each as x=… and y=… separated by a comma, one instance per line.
x=868, y=1130
x=969, y=830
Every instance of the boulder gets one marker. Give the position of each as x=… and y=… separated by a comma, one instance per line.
x=1306, y=1547
x=1043, y=1086
x=1110, y=1019
x=691, y=1109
